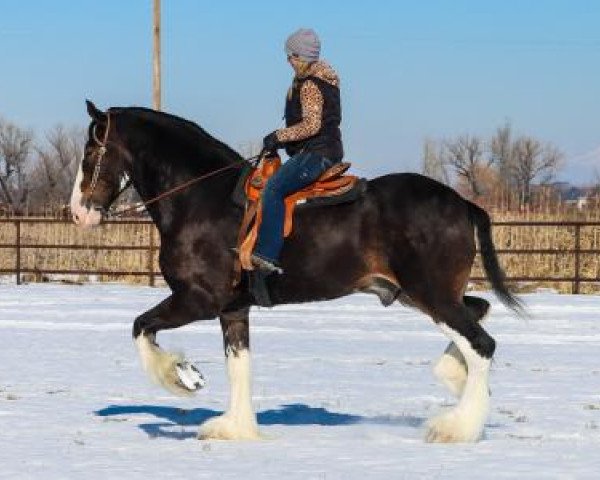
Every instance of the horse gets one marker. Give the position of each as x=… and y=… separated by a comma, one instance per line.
x=407, y=239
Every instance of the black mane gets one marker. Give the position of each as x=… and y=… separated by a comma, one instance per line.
x=191, y=132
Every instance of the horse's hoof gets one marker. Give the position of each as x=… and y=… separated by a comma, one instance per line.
x=190, y=377
x=224, y=427
x=451, y=427
x=433, y=435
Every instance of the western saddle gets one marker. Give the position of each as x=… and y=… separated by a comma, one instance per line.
x=332, y=183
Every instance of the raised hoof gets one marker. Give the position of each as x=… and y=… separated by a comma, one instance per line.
x=190, y=377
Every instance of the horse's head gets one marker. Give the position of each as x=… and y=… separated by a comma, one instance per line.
x=100, y=172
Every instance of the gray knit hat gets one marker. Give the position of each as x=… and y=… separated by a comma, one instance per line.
x=305, y=44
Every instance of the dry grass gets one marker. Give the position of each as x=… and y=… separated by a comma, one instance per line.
x=560, y=238
x=84, y=259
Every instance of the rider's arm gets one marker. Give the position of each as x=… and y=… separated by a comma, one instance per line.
x=311, y=101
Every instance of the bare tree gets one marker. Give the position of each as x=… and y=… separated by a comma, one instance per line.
x=533, y=160
x=596, y=181
x=53, y=174
x=432, y=162
x=15, y=148
x=466, y=156
x=501, y=151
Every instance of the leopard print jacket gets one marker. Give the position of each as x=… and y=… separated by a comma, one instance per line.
x=311, y=100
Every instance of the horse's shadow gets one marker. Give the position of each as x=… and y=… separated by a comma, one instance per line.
x=292, y=414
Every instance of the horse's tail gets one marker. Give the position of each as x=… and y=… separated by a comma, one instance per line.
x=492, y=268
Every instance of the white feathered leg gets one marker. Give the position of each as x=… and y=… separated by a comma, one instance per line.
x=239, y=421
x=168, y=370
x=451, y=369
x=465, y=422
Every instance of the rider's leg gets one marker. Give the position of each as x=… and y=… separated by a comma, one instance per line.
x=298, y=172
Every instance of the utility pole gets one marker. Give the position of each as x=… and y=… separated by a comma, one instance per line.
x=156, y=80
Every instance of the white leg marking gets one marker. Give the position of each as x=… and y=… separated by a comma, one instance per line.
x=451, y=370
x=168, y=370
x=465, y=422
x=239, y=421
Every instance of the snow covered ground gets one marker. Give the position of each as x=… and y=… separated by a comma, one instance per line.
x=342, y=389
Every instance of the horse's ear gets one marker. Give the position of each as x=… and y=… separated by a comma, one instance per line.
x=94, y=112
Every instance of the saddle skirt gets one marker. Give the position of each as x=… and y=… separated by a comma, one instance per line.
x=332, y=183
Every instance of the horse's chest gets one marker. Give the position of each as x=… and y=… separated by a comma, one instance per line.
x=193, y=257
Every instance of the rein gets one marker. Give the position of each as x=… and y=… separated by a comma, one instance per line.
x=138, y=206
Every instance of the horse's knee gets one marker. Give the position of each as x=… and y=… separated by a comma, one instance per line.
x=463, y=326
x=140, y=325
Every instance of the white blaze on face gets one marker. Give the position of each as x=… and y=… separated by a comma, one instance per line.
x=82, y=216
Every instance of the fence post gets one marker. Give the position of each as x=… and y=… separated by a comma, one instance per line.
x=18, y=248
x=151, y=257
x=577, y=259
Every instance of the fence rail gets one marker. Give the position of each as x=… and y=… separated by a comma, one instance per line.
x=577, y=279
x=151, y=248
x=20, y=246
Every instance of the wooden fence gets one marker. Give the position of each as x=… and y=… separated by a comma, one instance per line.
x=148, y=245
x=21, y=244
x=577, y=252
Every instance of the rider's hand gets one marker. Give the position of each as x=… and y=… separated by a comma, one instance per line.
x=270, y=142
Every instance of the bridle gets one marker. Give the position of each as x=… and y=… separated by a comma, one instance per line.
x=101, y=151
x=99, y=154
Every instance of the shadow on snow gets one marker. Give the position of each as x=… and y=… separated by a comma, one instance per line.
x=292, y=414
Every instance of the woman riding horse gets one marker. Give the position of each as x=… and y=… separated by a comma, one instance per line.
x=312, y=138
x=408, y=239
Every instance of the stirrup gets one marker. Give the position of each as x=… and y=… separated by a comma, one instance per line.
x=265, y=266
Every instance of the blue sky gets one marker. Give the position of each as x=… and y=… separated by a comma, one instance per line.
x=409, y=69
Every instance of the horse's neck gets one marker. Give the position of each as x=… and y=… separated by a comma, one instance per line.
x=157, y=175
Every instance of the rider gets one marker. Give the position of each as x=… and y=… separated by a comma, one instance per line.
x=312, y=139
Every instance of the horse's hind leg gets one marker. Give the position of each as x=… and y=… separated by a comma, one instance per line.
x=451, y=368
x=465, y=422
x=239, y=421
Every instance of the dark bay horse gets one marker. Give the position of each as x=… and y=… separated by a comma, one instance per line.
x=408, y=238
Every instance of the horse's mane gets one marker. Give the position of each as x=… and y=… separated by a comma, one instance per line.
x=180, y=126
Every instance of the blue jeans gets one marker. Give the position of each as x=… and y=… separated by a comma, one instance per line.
x=298, y=172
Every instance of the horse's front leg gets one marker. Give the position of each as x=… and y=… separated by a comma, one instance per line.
x=239, y=421
x=171, y=370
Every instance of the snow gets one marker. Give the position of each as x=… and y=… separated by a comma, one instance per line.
x=342, y=390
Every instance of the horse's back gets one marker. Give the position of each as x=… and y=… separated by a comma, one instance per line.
x=412, y=187
x=414, y=199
